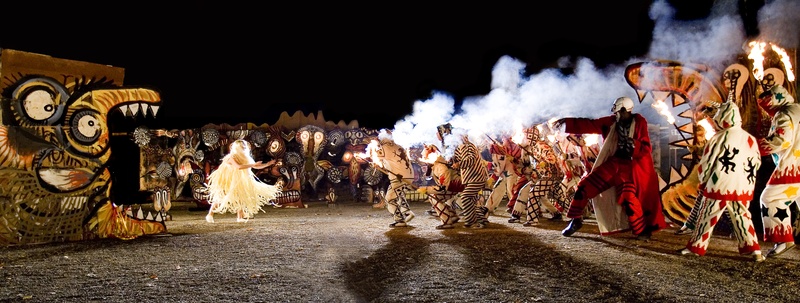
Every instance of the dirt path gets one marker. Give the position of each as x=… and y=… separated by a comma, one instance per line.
x=349, y=254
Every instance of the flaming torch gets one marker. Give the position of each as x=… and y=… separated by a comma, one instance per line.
x=662, y=109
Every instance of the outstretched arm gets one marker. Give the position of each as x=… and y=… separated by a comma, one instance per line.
x=259, y=165
x=232, y=162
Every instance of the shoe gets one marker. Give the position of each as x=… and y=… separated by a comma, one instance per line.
x=475, y=226
x=453, y=220
x=687, y=252
x=444, y=226
x=209, y=218
x=557, y=217
x=757, y=256
x=431, y=212
x=241, y=220
x=645, y=236
x=409, y=216
x=398, y=224
x=683, y=231
x=514, y=219
x=573, y=226
x=530, y=223
x=780, y=248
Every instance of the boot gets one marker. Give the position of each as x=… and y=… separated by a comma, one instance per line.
x=573, y=226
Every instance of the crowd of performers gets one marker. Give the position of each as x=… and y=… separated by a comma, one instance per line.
x=601, y=168
x=546, y=173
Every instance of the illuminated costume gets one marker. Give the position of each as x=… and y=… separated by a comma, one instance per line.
x=544, y=182
x=623, y=182
x=394, y=160
x=507, y=158
x=727, y=172
x=782, y=142
x=473, y=171
x=697, y=151
x=233, y=187
x=448, y=186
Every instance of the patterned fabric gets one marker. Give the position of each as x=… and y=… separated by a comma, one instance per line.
x=727, y=173
x=468, y=159
x=508, y=159
x=474, y=175
x=783, y=143
x=448, y=184
x=625, y=143
x=547, y=188
x=782, y=139
x=393, y=158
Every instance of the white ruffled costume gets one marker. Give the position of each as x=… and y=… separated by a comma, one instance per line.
x=234, y=188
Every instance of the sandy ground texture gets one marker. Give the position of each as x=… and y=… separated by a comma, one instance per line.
x=348, y=253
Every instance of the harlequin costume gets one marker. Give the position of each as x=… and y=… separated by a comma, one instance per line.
x=547, y=183
x=727, y=173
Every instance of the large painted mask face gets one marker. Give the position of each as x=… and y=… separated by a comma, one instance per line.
x=276, y=142
x=312, y=141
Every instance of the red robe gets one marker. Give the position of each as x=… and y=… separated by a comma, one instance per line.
x=644, y=173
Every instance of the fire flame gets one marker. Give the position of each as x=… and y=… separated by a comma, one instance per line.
x=518, y=136
x=707, y=126
x=370, y=152
x=663, y=110
x=757, y=55
x=786, y=62
x=591, y=139
x=430, y=157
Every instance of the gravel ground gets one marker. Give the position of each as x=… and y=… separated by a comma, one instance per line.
x=347, y=253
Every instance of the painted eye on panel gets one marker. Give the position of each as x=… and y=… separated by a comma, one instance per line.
x=86, y=126
x=39, y=105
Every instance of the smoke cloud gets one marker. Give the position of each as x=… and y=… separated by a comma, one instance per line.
x=517, y=101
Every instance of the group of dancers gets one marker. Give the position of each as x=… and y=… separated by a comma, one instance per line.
x=541, y=176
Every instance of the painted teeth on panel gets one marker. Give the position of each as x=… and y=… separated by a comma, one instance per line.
x=134, y=109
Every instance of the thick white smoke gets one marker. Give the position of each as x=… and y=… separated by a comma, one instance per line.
x=517, y=101
x=779, y=23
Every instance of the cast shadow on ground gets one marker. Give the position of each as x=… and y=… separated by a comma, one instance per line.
x=497, y=254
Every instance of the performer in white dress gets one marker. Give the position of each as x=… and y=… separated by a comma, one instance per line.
x=233, y=187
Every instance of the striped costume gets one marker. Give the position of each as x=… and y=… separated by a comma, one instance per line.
x=473, y=171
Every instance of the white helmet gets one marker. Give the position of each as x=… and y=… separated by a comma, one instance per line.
x=622, y=102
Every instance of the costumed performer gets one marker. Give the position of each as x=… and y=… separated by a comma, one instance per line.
x=233, y=187
x=727, y=173
x=623, y=182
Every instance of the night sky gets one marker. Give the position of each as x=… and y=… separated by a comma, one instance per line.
x=240, y=63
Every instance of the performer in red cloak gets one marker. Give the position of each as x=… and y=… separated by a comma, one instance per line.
x=624, y=172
